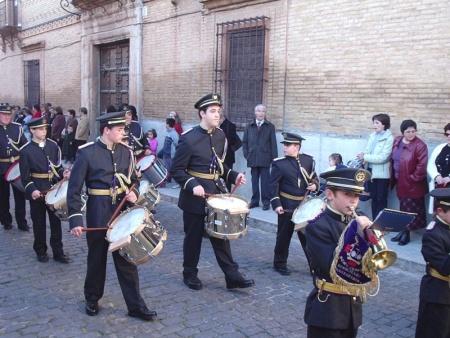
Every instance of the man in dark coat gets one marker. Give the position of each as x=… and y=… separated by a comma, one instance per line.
x=260, y=148
x=106, y=167
x=234, y=143
x=434, y=307
x=197, y=167
x=11, y=139
x=291, y=177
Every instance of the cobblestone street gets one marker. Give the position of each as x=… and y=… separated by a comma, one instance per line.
x=46, y=299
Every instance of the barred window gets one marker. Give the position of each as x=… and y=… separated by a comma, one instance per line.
x=240, y=67
x=32, y=83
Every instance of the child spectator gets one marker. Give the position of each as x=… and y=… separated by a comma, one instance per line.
x=152, y=141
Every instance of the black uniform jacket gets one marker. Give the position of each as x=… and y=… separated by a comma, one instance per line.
x=234, y=142
x=436, y=252
x=195, y=152
x=12, y=138
x=138, y=140
x=290, y=175
x=40, y=160
x=339, y=311
x=94, y=166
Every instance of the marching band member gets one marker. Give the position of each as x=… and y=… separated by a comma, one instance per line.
x=137, y=139
x=11, y=139
x=40, y=167
x=338, y=254
x=197, y=167
x=106, y=166
x=290, y=178
x=434, y=306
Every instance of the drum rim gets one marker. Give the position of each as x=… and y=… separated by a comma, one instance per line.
x=138, y=228
x=10, y=169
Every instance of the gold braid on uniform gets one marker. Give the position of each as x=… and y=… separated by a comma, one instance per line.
x=14, y=144
x=361, y=290
x=122, y=178
x=53, y=167
x=220, y=160
x=137, y=140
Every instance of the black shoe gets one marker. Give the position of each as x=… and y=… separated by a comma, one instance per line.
x=43, y=258
x=404, y=239
x=7, y=226
x=24, y=228
x=397, y=237
x=253, y=205
x=193, y=283
x=240, y=283
x=143, y=313
x=266, y=207
x=91, y=307
x=283, y=271
x=62, y=259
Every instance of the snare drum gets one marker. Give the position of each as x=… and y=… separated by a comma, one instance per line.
x=136, y=235
x=56, y=200
x=307, y=211
x=226, y=216
x=13, y=176
x=149, y=197
x=152, y=169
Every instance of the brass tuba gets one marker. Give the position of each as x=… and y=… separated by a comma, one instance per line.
x=382, y=257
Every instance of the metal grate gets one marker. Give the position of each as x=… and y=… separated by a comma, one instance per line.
x=240, y=67
x=32, y=83
x=114, y=73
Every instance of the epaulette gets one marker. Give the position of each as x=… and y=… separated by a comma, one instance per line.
x=85, y=145
x=187, y=131
x=49, y=139
x=279, y=158
x=307, y=154
x=431, y=225
x=16, y=123
x=25, y=145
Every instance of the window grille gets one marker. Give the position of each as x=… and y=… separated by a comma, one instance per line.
x=240, y=67
x=32, y=83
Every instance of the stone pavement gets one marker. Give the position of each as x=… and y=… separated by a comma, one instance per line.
x=46, y=299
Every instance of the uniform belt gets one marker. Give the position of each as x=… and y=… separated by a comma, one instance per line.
x=202, y=175
x=330, y=287
x=4, y=160
x=291, y=197
x=104, y=192
x=36, y=175
x=434, y=273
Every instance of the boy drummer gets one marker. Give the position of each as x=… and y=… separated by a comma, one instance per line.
x=334, y=306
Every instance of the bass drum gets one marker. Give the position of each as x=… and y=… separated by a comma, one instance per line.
x=307, y=211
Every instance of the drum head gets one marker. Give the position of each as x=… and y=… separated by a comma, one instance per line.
x=13, y=173
x=307, y=211
x=57, y=193
x=234, y=204
x=127, y=223
x=143, y=187
x=145, y=162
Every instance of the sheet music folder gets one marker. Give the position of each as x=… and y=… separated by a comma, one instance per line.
x=392, y=220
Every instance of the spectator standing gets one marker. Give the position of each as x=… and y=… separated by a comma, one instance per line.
x=408, y=170
x=82, y=131
x=152, y=141
x=58, y=125
x=177, y=127
x=27, y=117
x=376, y=156
x=234, y=143
x=36, y=111
x=438, y=167
x=169, y=147
x=260, y=148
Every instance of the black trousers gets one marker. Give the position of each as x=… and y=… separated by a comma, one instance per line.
x=433, y=320
x=284, y=234
x=19, y=199
x=193, y=229
x=379, y=189
x=127, y=273
x=264, y=174
x=321, y=332
x=38, y=209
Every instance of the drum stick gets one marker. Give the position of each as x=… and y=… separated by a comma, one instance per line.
x=236, y=185
x=92, y=229
x=118, y=208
